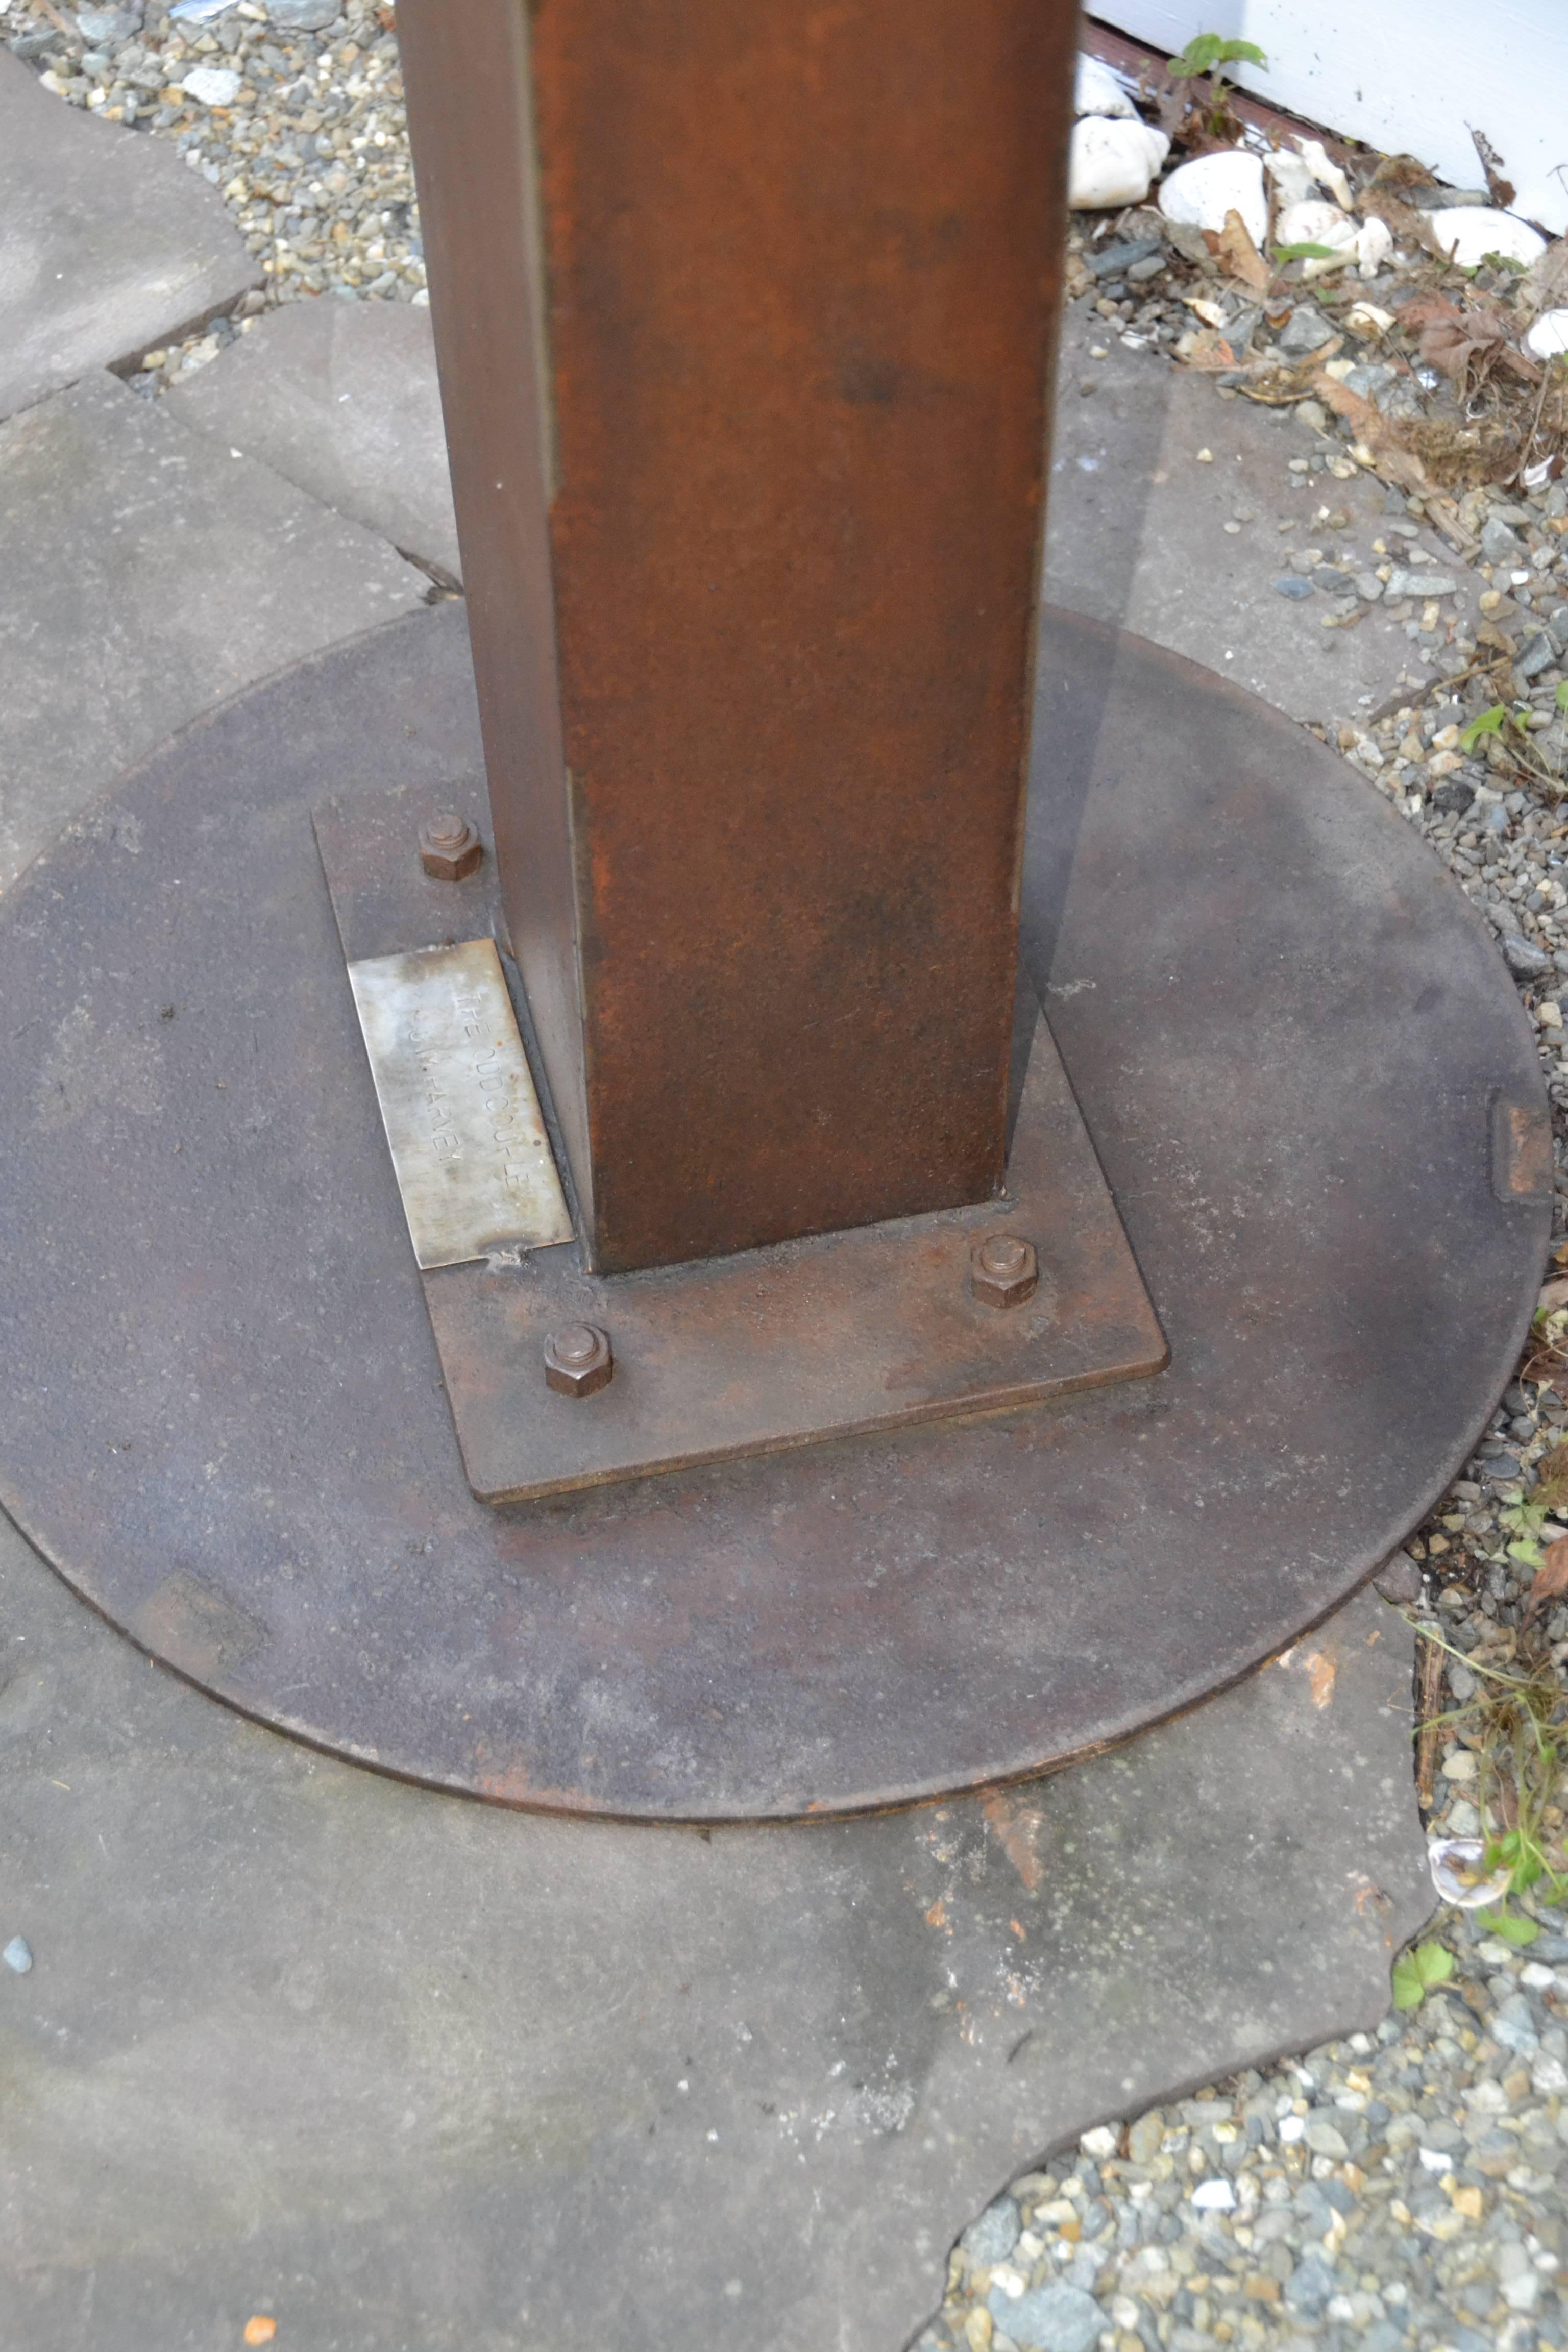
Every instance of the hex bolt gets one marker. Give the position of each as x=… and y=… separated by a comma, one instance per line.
x=1004, y=1270
x=449, y=848
x=577, y=1361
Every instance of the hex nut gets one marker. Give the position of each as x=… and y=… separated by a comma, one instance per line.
x=449, y=848
x=578, y=1360
x=1004, y=1270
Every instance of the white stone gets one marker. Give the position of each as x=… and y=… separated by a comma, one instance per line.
x=302, y=16
x=1097, y=90
x=1325, y=171
x=1373, y=245
x=1215, y=2196
x=1201, y=193
x=1316, y=222
x=1468, y=233
x=1111, y=162
x=1100, y=2142
x=1549, y=335
x=1292, y=176
x=211, y=85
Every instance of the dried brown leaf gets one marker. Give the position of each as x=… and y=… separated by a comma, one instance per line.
x=1550, y=1577
x=1407, y=225
x=1444, y=342
x=1397, y=172
x=1209, y=352
x=1392, y=459
x=1501, y=192
x=1241, y=256
x=1453, y=339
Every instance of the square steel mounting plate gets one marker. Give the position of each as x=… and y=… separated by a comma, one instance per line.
x=829, y=1337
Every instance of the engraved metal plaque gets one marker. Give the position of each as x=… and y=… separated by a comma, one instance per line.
x=473, y=1161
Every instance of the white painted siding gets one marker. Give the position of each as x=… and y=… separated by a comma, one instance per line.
x=1403, y=75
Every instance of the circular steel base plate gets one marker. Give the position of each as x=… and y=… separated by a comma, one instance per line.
x=1315, y=1095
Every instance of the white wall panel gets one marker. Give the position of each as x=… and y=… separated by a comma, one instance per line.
x=1403, y=75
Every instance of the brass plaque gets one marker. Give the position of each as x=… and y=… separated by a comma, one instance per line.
x=473, y=1161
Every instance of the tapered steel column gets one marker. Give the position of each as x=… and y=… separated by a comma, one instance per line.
x=746, y=317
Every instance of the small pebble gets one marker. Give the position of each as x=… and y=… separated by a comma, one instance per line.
x=1214, y=2197
x=18, y=1955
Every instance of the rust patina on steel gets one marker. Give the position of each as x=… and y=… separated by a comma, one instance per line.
x=1308, y=1078
x=744, y=360
x=759, y=1349
x=828, y=1337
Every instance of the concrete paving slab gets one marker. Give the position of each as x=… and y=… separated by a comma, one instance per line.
x=146, y=573
x=109, y=244
x=400, y=2070
x=1138, y=537
x=342, y=399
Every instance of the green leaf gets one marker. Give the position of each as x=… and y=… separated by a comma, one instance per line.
x=1409, y=1992
x=1562, y=694
x=1526, y=1552
x=1307, y=252
x=1417, y=1971
x=1511, y=1928
x=1489, y=723
x=1199, y=53
x=1206, y=50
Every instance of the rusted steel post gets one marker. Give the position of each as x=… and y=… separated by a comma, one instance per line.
x=746, y=318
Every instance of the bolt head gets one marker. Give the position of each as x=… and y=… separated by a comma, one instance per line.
x=578, y=1360
x=1004, y=1270
x=449, y=848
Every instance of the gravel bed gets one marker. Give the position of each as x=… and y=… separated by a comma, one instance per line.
x=295, y=114
x=1395, y=2189
x=1400, y=2190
